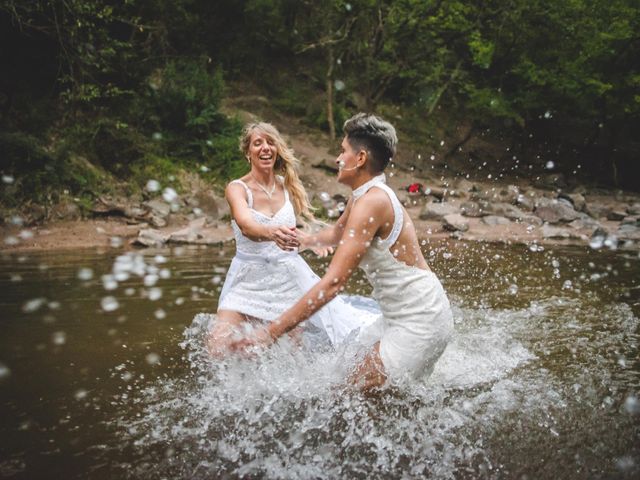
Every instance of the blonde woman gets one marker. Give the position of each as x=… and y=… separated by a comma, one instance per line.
x=267, y=275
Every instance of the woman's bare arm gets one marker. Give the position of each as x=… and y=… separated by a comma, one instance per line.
x=284, y=236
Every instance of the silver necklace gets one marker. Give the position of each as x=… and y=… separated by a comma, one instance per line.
x=266, y=192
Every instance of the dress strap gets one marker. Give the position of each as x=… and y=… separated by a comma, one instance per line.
x=247, y=189
x=398, y=216
x=286, y=193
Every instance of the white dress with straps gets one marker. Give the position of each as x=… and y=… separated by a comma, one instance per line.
x=416, y=322
x=263, y=281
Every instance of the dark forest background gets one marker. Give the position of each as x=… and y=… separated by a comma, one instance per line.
x=130, y=90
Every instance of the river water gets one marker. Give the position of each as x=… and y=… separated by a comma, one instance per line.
x=103, y=374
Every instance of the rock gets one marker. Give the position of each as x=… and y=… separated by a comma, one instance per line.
x=506, y=210
x=34, y=214
x=156, y=221
x=548, y=231
x=629, y=232
x=66, y=210
x=634, y=209
x=597, y=210
x=149, y=237
x=212, y=206
x=472, y=209
x=495, y=220
x=555, y=211
x=510, y=194
x=455, y=222
x=190, y=233
x=585, y=222
x=436, y=211
x=532, y=220
x=616, y=215
x=159, y=208
x=631, y=221
x=465, y=186
x=577, y=200
x=526, y=202
x=439, y=192
x=412, y=199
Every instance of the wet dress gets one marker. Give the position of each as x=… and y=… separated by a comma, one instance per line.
x=416, y=322
x=263, y=281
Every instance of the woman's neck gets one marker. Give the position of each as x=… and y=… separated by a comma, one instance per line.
x=265, y=177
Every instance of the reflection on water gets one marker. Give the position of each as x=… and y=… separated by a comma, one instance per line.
x=542, y=379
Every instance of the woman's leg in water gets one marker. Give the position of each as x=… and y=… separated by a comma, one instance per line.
x=223, y=332
x=369, y=374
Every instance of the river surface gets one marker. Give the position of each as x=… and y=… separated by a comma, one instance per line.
x=103, y=374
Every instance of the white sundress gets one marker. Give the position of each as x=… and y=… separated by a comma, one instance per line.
x=416, y=322
x=263, y=281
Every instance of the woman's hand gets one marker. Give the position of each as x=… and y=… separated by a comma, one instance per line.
x=260, y=338
x=285, y=237
x=306, y=242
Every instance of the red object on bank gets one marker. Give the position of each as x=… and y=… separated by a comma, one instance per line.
x=415, y=188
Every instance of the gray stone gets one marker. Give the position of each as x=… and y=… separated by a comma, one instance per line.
x=598, y=210
x=549, y=231
x=495, y=220
x=210, y=205
x=629, y=232
x=555, y=211
x=510, y=194
x=585, y=222
x=532, y=220
x=577, y=200
x=190, y=233
x=526, y=202
x=156, y=221
x=158, y=207
x=634, y=209
x=455, y=222
x=472, y=209
x=149, y=237
x=66, y=210
x=465, y=186
x=616, y=215
x=506, y=210
x=436, y=211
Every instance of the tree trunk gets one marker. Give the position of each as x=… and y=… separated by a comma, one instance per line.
x=329, y=87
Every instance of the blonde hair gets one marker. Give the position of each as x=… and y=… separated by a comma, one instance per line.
x=286, y=163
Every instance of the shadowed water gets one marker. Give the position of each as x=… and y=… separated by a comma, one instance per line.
x=104, y=377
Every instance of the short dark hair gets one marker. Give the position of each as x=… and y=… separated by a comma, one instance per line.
x=373, y=134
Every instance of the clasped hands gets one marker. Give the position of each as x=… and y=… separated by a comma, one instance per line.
x=290, y=238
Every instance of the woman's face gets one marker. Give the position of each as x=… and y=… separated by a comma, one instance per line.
x=346, y=161
x=262, y=151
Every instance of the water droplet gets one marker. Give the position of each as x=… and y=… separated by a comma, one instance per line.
x=324, y=196
x=157, y=136
x=59, y=338
x=549, y=165
x=8, y=179
x=80, y=394
x=150, y=280
x=547, y=114
x=5, y=372
x=11, y=240
x=152, y=358
x=513, y=289
x=155, y=293
x=631, y=405
x=160, y=314
x=109, y=303
x=33, y=305
x=339, y=85
x=85, y=274
x=169, y=195
x=153, y=186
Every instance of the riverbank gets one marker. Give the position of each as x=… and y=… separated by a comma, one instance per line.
x=444, y=197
